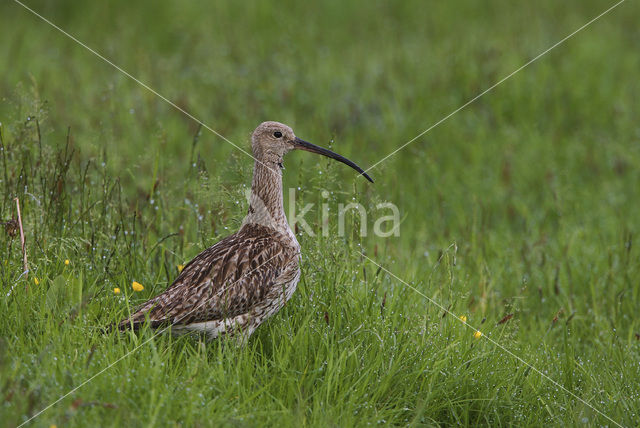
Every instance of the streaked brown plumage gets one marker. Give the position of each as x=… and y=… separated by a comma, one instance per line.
x=245, y=278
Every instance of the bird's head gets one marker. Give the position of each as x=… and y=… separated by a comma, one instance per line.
x=272, y=140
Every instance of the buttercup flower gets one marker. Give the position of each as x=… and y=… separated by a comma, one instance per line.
x=477, y=334
x=66, y=262
x=137, y=286
x=463, y=318
x=116, y=290
x=36, y=281
x=180, y=267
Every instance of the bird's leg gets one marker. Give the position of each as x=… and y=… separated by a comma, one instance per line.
x=242, y=333
x=240, y=340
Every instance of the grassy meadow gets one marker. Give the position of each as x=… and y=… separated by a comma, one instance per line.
x=521, y=212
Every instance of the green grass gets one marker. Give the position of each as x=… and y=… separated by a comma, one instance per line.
x=524, y=203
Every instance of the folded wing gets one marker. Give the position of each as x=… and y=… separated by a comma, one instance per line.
x=224, y=281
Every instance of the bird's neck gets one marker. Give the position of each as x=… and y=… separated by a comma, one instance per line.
x=266, y=205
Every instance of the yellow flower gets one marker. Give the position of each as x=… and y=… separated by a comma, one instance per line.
x=53, y=426
x=137, y=286
x=36, y=281
x=180, y=267
x=66, y=262
x=477, y=334
x=116, y=290
x=463, y=318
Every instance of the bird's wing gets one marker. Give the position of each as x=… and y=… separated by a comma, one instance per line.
x=223, y=281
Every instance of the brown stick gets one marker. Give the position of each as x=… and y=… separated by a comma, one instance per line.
x=22, y=241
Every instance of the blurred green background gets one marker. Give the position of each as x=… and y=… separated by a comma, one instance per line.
x=369, y=76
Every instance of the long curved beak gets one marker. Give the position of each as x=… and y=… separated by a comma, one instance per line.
x=304, y=145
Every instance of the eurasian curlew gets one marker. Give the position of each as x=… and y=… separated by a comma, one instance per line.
x=238, y=283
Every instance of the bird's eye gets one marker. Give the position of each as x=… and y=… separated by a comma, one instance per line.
x=277, y=134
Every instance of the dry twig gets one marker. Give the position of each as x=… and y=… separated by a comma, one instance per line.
x=22, y=241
